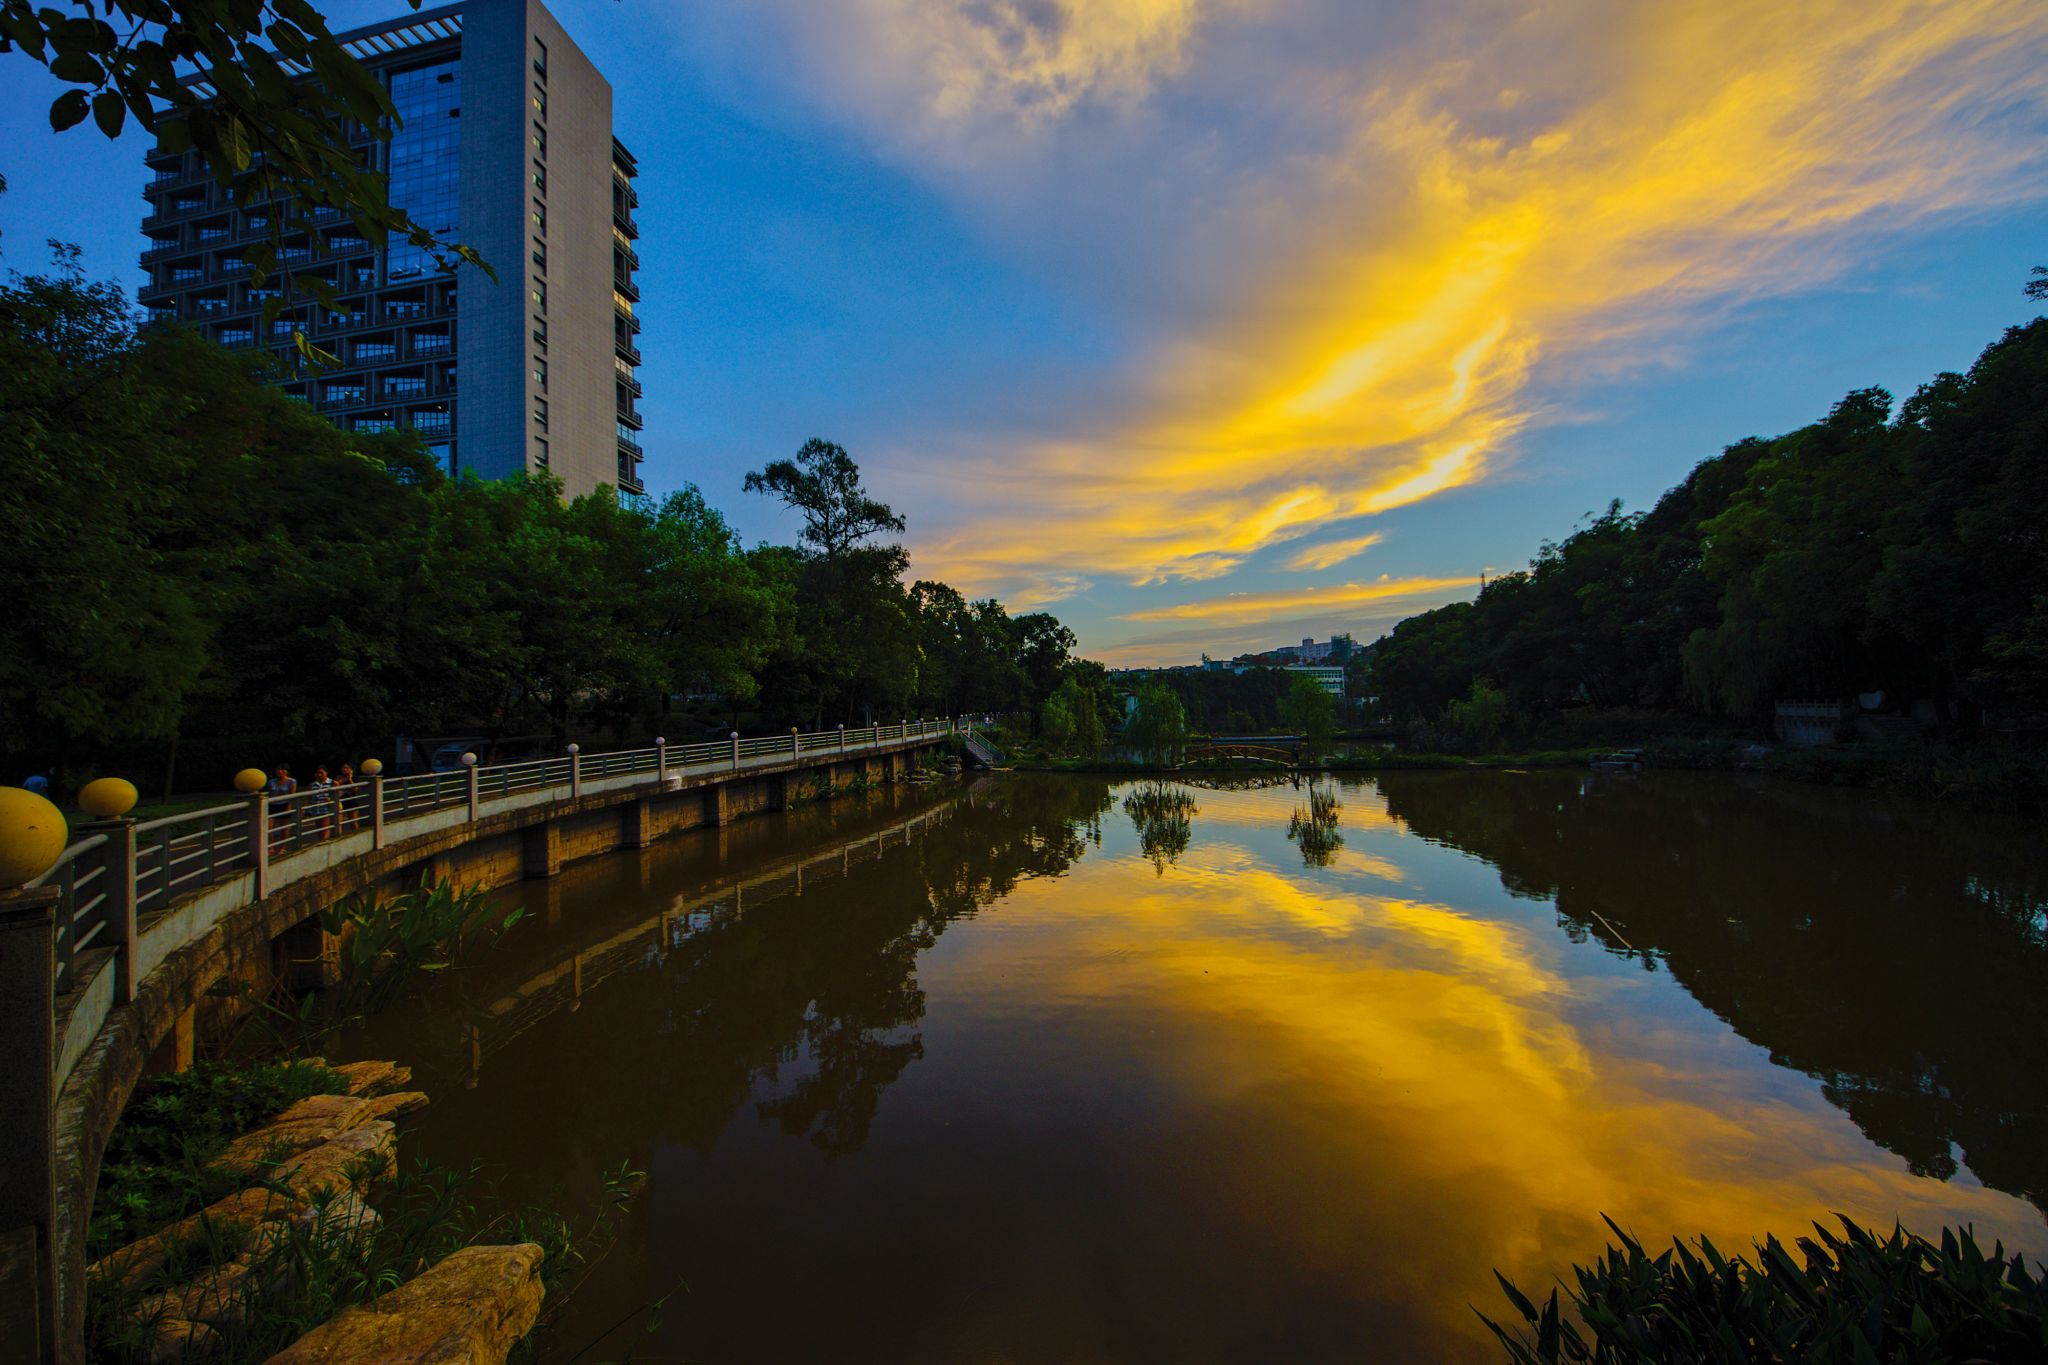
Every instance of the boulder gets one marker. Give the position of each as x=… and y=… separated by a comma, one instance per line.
x=348, y=1161
x=310, y=1122
x=397, y=1103
x=374, y=1078
x=133, y=1263
x=172, y=1339
x=470, y=1309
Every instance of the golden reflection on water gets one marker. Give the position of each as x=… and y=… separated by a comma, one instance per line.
x=1136, y=1072
x=1425, y=1092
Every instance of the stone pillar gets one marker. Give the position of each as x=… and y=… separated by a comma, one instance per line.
x=778, y=791
x=308, y=957
x=184, y=1038
x=540, y=850
x=717, y=807
x=376, y=810
x=635, y=826
x=28, y=1174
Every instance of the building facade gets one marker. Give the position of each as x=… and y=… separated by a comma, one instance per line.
x=505, y=144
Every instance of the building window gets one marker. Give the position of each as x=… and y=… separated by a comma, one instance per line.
x=431, y=343
x=540, y=177
x=540, y=254
x=540, y=451
x=259, y=293
x=351, y=391
x=540, y=333
x=432, y=422
x=211, y=303
x=281, y=329
x=540, y=218
x=425, y=157
x=181, y=273
x=213, y=232
x=540, y=58
x=405, y=308
x=540, y=413
x=540, y=101
x=444, y=455
x=540, y=141
x=404, y=385
x=540, y=296
x=371, y=351
x=540, y=374
x=377, y=421
x=237, y=334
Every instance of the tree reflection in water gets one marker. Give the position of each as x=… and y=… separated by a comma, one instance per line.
x=1163, y=815
x=1313, y=827
x=1895, y=951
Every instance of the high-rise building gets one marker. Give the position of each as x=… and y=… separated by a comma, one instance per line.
x=505, y=144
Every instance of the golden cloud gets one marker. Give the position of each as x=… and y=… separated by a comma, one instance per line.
x=1247, y=607
x=1514, y=187
x=1330, y=553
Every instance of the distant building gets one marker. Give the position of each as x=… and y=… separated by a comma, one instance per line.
x=1330, y=676
x=506, y=145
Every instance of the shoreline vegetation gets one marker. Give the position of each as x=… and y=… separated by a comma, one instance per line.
x=2013, y=780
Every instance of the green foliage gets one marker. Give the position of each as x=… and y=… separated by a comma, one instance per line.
x=1071, y=723
x=386, y=940
x=1163, y=816
x=155, y=1167
x=1158, y=728
x=1849, y=1297
x=1874, y=550
x=1480, y=718
x=199, y=557
x=1309, y=708
x=1313, y=827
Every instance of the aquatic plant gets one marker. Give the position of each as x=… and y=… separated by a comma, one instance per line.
x=1163, y=814
x=1314, y=828
x=1848, y=1298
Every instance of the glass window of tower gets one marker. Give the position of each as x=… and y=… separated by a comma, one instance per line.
x=425, y=159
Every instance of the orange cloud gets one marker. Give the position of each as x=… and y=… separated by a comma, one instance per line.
x=1331, y=553
x=1248, y=607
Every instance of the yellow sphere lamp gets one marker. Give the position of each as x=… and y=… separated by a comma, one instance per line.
x=32, y=836
x=107, y=798
x=249, y=781
x=372, y=767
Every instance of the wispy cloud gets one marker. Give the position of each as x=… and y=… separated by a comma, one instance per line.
x=1330, y=553
x=1248, y=607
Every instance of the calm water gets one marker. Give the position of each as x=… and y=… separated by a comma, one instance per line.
x=1059, y=1068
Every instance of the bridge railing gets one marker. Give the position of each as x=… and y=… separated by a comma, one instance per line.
x=110, y=885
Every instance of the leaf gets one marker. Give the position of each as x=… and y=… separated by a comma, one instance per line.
x=109, y=112
x=68, y=110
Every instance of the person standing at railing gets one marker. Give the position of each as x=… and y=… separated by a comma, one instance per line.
x=281, y=784
x=345, y=780
x=38, y=784
x=320, y=803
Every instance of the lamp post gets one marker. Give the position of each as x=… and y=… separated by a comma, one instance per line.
x=109, y=799
x=575, y=752
x=469, y=766
x=373, y=769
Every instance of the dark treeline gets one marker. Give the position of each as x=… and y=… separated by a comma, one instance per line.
x=1884, y=548
x=203, y=573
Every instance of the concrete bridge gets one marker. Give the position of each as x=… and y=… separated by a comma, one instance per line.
x=108, y=962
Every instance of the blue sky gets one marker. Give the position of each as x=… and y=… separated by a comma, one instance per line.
x=1216, y=323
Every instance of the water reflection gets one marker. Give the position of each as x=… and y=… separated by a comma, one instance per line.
x=1313, y=826
x=1163, y=814
x=1882, y=948
x=1292, y=1101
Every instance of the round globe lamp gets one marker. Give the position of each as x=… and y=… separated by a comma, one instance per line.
x=32, y=836
x=469, y=760
x=372, y=767
x=107, y=798
x=249, y=781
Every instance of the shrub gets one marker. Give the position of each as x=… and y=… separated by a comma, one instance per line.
x=1849, y=1298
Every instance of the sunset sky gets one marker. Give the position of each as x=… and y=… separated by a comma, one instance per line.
x=1211, y=324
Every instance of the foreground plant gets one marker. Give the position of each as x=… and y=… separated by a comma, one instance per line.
x=1851, y=1297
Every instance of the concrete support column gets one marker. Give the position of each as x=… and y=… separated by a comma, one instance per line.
x=540, y=850
x=635, y=827
x=28, y=1176
x=377, y=810
x=735, y=751
x=661, y=759
x=307, y=958
x=469, y=766
x=717, y=806
x=778, y=791
x=575, y=772
x=119, y=880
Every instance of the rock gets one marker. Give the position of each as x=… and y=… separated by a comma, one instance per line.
x=470, y=1309
x=218, y=1295
x=401, y=1102
x=307, y=1124
x=174, y=1338
x=374, y=1078
x=349, y=1161
x=245, y=1209
x=342, y=1218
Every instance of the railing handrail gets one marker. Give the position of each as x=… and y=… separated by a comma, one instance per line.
x=232, y=808
x=68, y=856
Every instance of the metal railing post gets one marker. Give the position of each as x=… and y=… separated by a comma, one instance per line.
x=469, y=765
x=259, y=846
x=842, y=736
x=117, y=878
x=735, y=751
x=376, y=810
x=661, y=758
x=575, y=772
x=796, y=742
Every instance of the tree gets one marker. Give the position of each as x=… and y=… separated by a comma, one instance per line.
x=1158, y=728
x=1482, y=715
x=1071, y=721
x=1309, y=708
x=823, y=484
x=269, y=113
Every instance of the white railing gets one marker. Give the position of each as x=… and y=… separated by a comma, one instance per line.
x=122, y=882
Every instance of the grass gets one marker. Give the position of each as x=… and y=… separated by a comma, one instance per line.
x=1847, y=1298
x=155, y=1170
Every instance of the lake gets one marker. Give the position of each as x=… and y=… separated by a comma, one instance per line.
x=1041, y=1067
